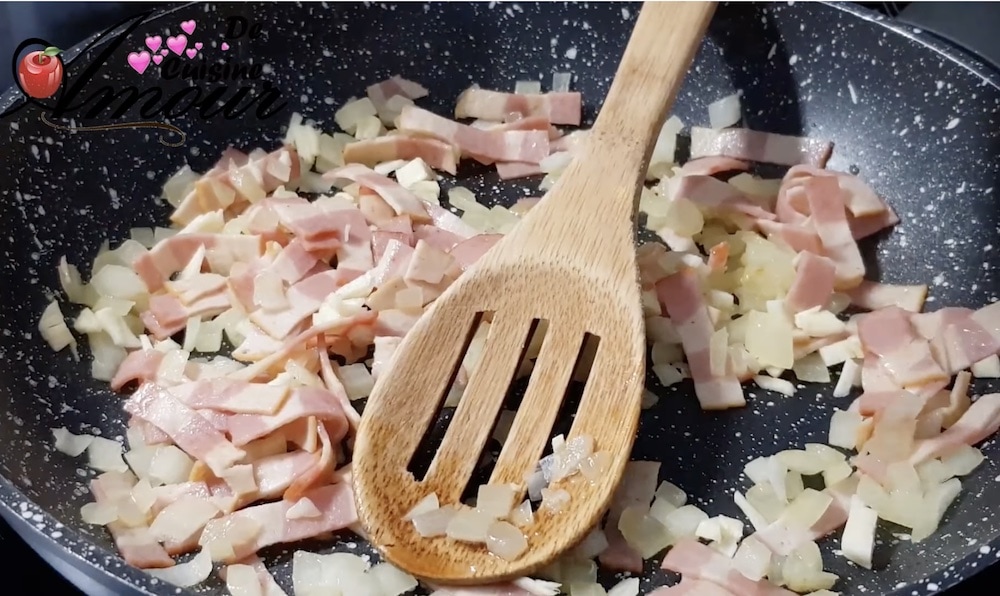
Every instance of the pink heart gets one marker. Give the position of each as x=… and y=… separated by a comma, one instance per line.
x=198, y=46
x=188, y=26
x=139, y=61
x=164, y=52
x=191, y=53
x=225, y=46
x=177, y=44
x=153, y=42
x=157, y=58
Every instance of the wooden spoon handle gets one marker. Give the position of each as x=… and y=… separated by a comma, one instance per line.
x=659, y=53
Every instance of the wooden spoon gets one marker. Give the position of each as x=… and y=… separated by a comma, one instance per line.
x=570, y=262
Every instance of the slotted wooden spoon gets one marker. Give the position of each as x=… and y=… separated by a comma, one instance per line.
x=571, y=262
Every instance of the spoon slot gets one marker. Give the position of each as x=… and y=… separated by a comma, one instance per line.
x=420, y=460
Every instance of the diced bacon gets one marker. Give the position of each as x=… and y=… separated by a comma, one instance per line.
x=511, y=170
x=830, y=220
x=508, y=589
x=394, y=262
x=813, y=285
x=301, y=403
x=467, y=252
x=713, y=193
x=370, y=152
x=863, y=227
x=172, y=254
x=558, y=108
x=979, y=422
x=695, y=560
x=400, y=199
x=139, y=366
x=335, y=503
x=797, y=237
x=380, y=93
x=872, y=295
x=428, y=264
x=394, y=323
x=374, y=207
x=195, y=288
x=256, y=345
x=135, y=544
x=170, y=493
x=436, y=237
x=321, y=472
x=449, y=222
x=304, y=299
x=792, y=204
x=887, y=333
x=710, y=166
x=859, y=198
x=186, y=428
x=234, y=397
x=293, y=262
x=762, y=147
x=484, y=145
x=167, y=316
x=681, y=296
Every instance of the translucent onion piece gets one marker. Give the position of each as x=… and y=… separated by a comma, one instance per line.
x=187, y=574
x=505, y=541
x=70, y=444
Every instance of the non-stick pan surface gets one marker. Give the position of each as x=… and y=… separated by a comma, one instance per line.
x=915, y=119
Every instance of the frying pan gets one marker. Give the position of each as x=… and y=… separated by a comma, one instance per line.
x=915, y=118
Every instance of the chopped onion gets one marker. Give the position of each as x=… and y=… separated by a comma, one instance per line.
x=468, y=525
x=684, y=521
x=118, y=281
x=187, y=574
x=936, y=502
x=963, y=460
x=819, y=323
x=807, y=508
x=769, y=340
x=642, y=531
x=752, y=559
x=802, y=570
x=837, y=472
x=177, y=187
x=393, y=580
x=757, y=519
x=592, y=545
x=561, y=81
x=428, y=503
x=98, y=514
x=170, y=465
x=505, y=541
x=354, y=113
x=106, y=455
x=357, y=380
x=555, y=162
x=302, y=509
x=107, y=356
x=595, y=466
x=811, y=369
x=850, y=376
x=555, y=499
x=70, y=444
x=987, y=368
x=844, y=429
x=322, y=575
x=434, y=522
x=242, y=580
x=803, y=462
x=776, y=385
x=724, y=112
x=763, y=498
x=667, y=374
x=522, y=515
x=858, y=540
x=52, y=327
x=183, y=519
x=841, y=351
x=72, y=283
x=495, y=500
x=528, y=87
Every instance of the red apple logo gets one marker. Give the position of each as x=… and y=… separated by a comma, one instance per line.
x=40, y=73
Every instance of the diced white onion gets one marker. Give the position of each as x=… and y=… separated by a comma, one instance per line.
x=468, y=525
x=242, y=580
x=641, y=531
x=752, y=558
x=187, y=574
x=858, y=540
x=561, y=82
x=505, y=541
x=522, y=515
x=428, y=503
x=844, y=429
x=724, y=112
x=434, y=522
x=987, y=368
x=303, y=509
x=684, y=521
x=393, y=580
x=850, y=376
x=777, y=385
x=357, y=380
x=170, y=465
x=70, y=444
x=106, y=455
x=182, y=519
x=98, y=514
x=53, y=329
x=495, y=500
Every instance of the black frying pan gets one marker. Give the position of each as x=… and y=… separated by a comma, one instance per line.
x=920, y=126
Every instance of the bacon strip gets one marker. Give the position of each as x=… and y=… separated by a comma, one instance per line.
x=830, y=220
x=370, y=152
x=139, y=366
x=302, y=403
x=135, y=544
x=513, y=145
x=872, y=295
x=171, y=255
x=763, y=147
x=813, y=285
x=400, y=199
x=186, y=428
x=887, y=333
x=710, y=192
x=980, y=421
x=680, y=294
x=558, y=108
x=695, y=560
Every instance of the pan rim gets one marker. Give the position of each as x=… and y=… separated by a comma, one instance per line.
x=21, y=512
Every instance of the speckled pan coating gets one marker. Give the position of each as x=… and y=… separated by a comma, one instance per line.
x=914, y=118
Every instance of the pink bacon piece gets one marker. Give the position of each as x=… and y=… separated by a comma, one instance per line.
x=370, y=152
x=275, y=473
x=980, y=421
x=872, y=295
x=762, y=147
x=304, y=299
x=530, y=146
x=381, y=92
x=830, y=221
x=335, y=503
x=887, y=333
x=467, y=252
x=185, y=426
x=859, y=198
x=171, y=255
x=400, y=199
x=707, y=191
x=798, y=237
x=293, y=262
x=695, y=560
x=681, y=296
x=558, y=108
x=302, y=403
x=637, y=488
x=710, y=166
x=813, y=284
x=167, y=315
x=139, y=366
